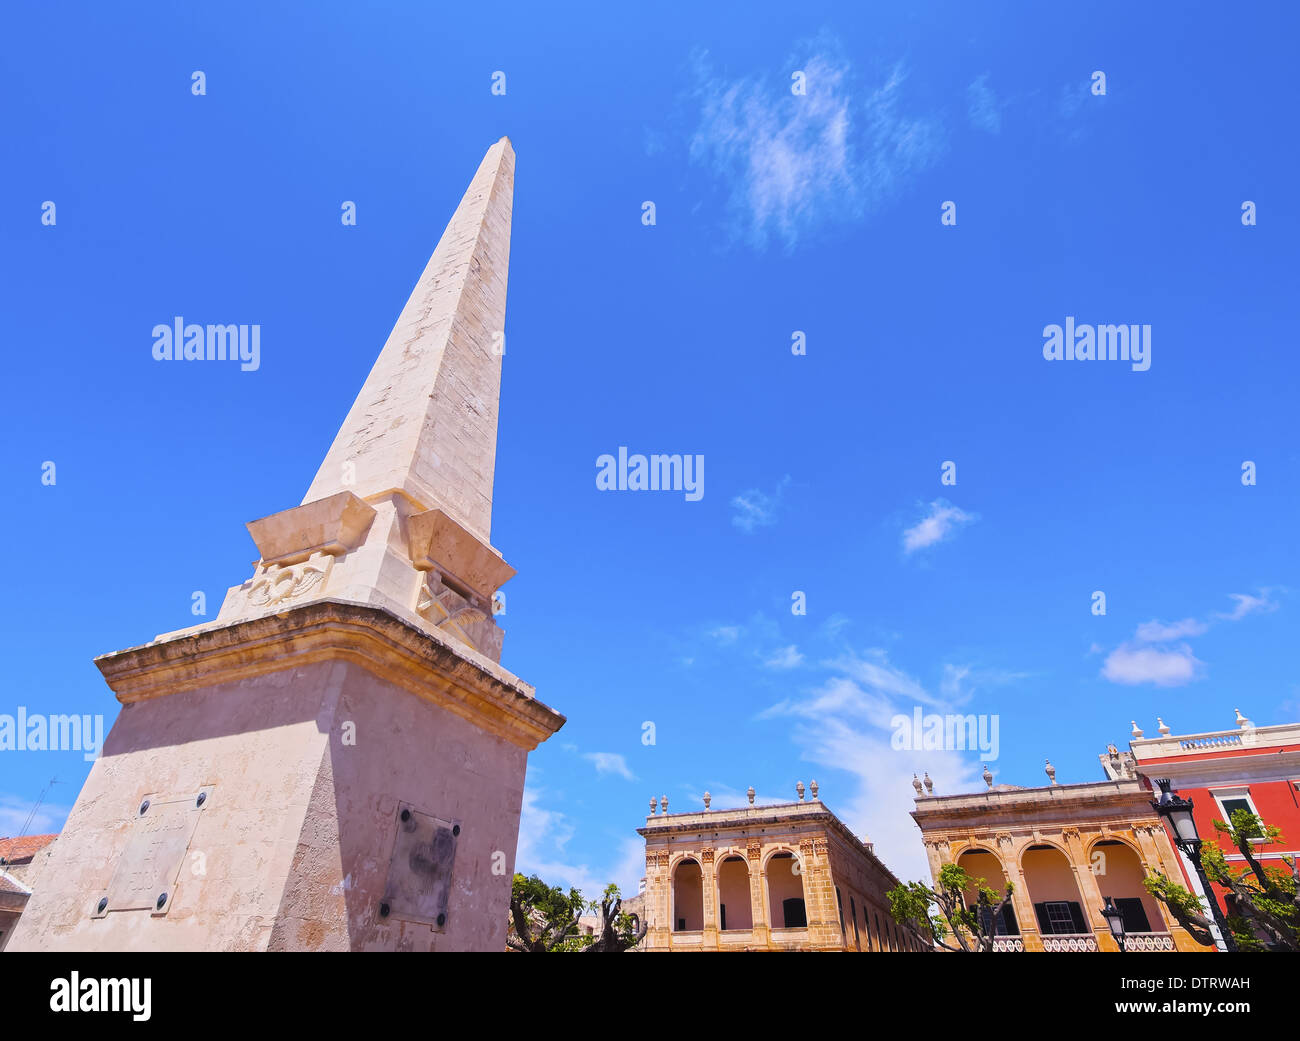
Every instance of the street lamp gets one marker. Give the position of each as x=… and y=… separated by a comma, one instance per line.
x=1178, y=812
x=1115, y=919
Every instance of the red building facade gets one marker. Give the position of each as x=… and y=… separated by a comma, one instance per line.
x=1245, y=767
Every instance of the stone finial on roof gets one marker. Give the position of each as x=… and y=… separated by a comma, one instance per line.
x=813, y=785
x=663, y=803
x=929, y=784
x=988, y=776
x=707, y=799
x=1050, y=771
x=653, y=806
x=916, y=783
x=1241, y=720
x=798, y=787
x=750, y=793
x=1163, y=727
x=1137, y=731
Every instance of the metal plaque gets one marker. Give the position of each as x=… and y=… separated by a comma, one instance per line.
x=148, y=867
x=419, y=873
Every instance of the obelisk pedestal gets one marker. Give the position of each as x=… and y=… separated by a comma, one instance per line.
x=337, y=761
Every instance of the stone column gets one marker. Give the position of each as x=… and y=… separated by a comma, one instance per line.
x=758, y=895
x=1021, y=899
x=709, y=884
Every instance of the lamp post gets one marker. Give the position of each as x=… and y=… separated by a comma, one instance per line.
x=1178, y=812
x=1115, y=919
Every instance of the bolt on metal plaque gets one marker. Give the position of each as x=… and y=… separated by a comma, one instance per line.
x=419, y=873
x=148, y=867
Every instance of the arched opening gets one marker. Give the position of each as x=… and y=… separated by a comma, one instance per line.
x=1119, y=874
x=785, y=893
x=735, y=910
x=980, y=863
x=688, y=897
x=1053, y=892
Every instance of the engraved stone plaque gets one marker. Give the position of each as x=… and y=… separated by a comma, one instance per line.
x=419, y=873
x=147, y=870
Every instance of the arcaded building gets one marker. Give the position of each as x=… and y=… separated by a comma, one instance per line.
x=1065, y=848
x=790, y=876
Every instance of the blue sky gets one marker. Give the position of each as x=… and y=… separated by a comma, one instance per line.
x=775, y=213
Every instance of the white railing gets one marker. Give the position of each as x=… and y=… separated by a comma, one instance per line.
x=1007, y=943
x=1218, y=741
x=1063, y=942
x=1149, y=942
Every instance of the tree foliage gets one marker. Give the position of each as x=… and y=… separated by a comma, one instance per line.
x=1262, y=903
x=545, y=919
x=944, y=912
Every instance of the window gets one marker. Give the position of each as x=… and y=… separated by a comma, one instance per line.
x=796, y=916
x=1134, y=914
x=1232, y=799
x=1060, y=916
x=1005, y=925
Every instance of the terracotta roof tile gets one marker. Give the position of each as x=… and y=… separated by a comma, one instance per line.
x=13, y=851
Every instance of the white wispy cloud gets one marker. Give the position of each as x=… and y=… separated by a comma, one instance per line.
x=786, y=658
x=942, y=520
x=1148, y=658
x=609, y=763
x=1246, y=604
x=544, y=835
x=726, y=634
x=845, y=724
x=792, y=164
x=1132, y=664
x=757, y=509
x=982, y=106
x=1162, y=632
x=17, y=812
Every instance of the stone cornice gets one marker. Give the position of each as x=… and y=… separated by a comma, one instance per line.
x=742, y=820
x=1058, y=802
x=1239, y=769
x=439, y=670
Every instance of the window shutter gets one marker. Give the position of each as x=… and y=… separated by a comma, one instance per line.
x=1008, y=923
x=1076, y=913
x=1044, y=925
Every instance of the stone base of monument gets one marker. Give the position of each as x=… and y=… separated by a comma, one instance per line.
x=348, y=782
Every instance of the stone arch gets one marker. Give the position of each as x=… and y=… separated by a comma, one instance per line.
x=687, y=885
x=976, y=861
x=1120, y=879
x=735, y=901
x=776, y=851
x=786, y=895
x=1053, y=890
x=1040, y=844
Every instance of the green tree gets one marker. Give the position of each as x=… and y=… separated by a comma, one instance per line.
x=942, y=910
x=618, y=931
x=545, y=919
x=1262, y=903
x=542, y=918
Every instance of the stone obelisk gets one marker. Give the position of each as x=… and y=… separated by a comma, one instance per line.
x=337, y=761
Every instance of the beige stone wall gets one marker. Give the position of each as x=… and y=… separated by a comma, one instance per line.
x=827, y=860
x=1070, y=821
x=296, y=836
